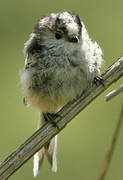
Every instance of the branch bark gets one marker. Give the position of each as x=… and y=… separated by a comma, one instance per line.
x=66, y=114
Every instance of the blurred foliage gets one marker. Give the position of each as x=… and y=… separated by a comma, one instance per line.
x=84, y=142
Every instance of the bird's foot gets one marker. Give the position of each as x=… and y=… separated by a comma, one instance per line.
x=98, y=79
x=50, y=117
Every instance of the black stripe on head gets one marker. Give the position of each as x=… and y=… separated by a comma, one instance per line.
x=59, y=25
x=77, y=20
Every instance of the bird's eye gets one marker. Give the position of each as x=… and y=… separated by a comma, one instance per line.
x=58, y=35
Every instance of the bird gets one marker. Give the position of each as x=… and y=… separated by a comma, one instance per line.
x=61, y=63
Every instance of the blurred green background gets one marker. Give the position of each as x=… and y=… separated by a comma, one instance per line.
x=85, y=141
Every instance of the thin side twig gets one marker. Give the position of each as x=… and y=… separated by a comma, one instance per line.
x=109, y=155
x=66, y=114
x=114, y=93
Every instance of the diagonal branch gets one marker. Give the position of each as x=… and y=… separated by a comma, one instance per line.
x=46, y=132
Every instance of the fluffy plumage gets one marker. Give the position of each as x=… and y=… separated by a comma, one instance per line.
x=61, y=63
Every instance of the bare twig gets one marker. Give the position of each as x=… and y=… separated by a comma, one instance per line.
x=114, y=93
x=46, y=132
x=109, y=155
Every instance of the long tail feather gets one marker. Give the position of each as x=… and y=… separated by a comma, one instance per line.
x=50, y=150
x=54, y=157
x=51, y=153
x=38, y=160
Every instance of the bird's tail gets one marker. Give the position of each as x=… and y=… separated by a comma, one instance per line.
x=50, y=150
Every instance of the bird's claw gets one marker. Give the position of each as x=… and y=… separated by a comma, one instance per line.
x=98, y=79
x=49, y=117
